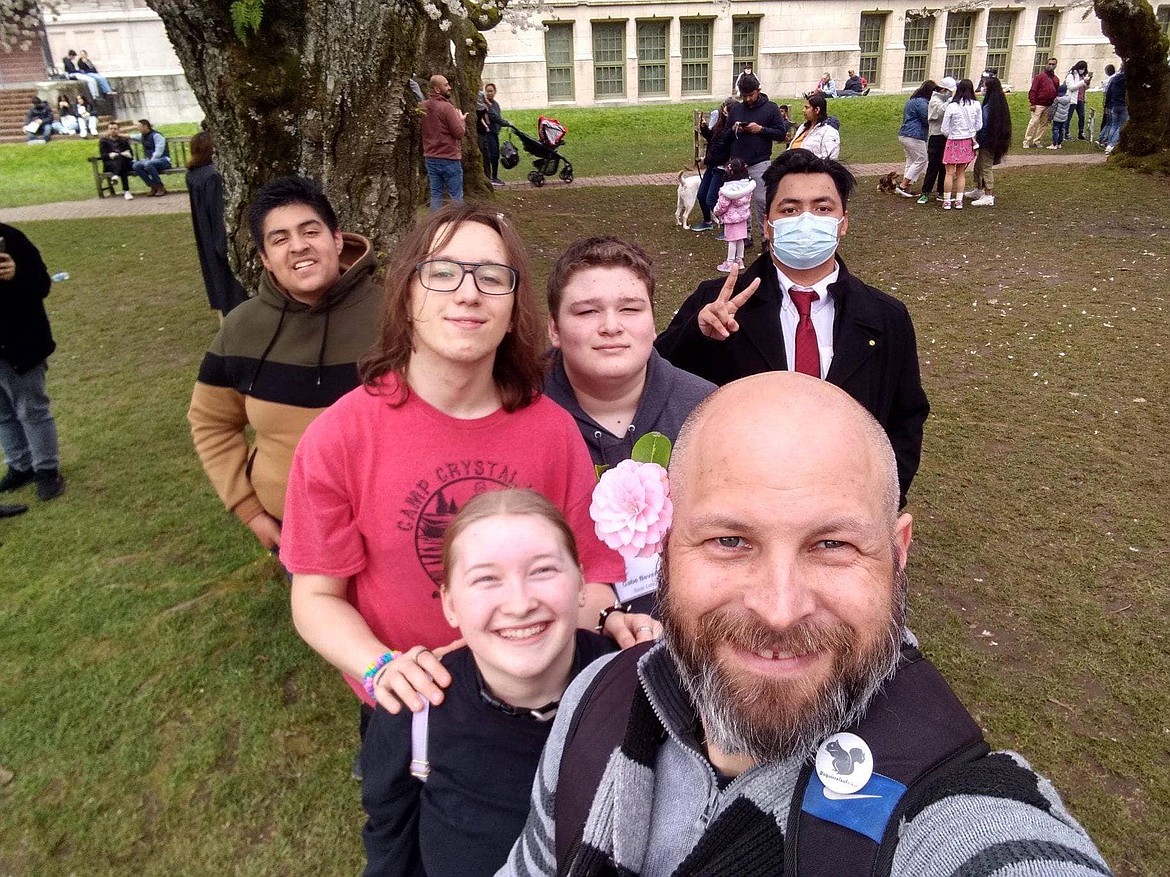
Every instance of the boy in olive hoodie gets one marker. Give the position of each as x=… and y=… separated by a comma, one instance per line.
x=285, y=355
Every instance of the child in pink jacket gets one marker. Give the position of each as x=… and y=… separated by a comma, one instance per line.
x=734, y=208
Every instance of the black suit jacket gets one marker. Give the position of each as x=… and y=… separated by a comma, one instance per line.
x=875, y=355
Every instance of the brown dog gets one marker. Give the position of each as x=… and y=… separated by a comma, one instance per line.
x=889, y=182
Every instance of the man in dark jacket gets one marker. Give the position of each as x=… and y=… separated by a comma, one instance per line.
x=28, y=433
x=1116, y=109
x=799, y=309
x=604, y=370
x=755, y=125
x=38, y=122
x=156, y=158
x=1041, y=96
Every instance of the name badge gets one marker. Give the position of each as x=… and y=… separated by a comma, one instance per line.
x=641, y=578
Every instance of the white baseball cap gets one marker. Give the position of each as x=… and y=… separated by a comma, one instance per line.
x=948, y=83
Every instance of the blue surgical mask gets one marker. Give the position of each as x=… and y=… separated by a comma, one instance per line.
x=804, y=241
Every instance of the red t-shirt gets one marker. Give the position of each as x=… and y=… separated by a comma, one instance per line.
x=373, y=487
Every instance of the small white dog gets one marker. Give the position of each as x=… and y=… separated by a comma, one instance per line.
x=688, y=190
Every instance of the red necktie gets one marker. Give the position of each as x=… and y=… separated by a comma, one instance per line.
x=808, y=354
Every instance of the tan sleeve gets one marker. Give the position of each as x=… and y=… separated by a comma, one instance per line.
x=218, y=419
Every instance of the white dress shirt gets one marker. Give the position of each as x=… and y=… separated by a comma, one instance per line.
x=821, y=313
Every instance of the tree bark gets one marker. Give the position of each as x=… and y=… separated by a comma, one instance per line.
x=1132, y=28
x=321, y=90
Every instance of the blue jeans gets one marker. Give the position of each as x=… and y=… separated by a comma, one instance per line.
x=1120, y=117
x=704, y=191
x=95, y=82
x=149, y=169
x=444, y=173
x=1059, y=132
x=28, y=434
x=717, y=174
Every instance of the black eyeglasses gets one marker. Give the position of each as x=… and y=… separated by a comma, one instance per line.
x=445, y=275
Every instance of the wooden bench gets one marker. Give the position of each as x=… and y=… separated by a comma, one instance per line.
x=104, y=180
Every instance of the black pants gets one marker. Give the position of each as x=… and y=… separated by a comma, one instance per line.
x=935, y=172
x=489, y=145
x=121, y=167
x=1079, y=107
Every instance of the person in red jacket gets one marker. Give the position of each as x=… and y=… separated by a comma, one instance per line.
x=443, y=126
x=1040, y=98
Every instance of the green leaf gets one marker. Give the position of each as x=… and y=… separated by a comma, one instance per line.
x=599, y=469
x=246, y=16
x=653, y=447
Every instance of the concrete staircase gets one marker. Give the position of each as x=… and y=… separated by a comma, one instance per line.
x=14, y=104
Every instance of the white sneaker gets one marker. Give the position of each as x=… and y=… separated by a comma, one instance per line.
x=127, y=195
x=985, y=201
x=1109, y=148
x=973, y=193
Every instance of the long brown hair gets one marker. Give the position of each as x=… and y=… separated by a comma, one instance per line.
x=509, y=501
x=202, y=150
x=517, y=371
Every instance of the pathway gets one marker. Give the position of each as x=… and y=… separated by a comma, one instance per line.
x=178, y=202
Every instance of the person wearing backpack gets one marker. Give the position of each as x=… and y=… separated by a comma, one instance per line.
x=787, y=723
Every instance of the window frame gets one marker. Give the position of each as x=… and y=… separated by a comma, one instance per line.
x=565, y=27
x=958, y=63
x=616, y=26
x=916, y=55
x=1044, y=50
x=876, y=55
x=1003, y=70
x=662, y=64
x=738, y=60
x=707, y=22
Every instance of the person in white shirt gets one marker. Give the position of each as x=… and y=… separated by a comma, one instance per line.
x=961, y=122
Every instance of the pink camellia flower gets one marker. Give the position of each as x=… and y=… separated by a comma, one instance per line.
x=631, y=508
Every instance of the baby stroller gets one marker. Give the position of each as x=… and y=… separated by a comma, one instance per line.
x=548, y=160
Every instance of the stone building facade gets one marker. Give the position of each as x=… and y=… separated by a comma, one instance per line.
x=611, y=52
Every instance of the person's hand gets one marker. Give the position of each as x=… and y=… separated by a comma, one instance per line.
x=266, y=530
x=717, y=319
x=753, y=127
x=628, y=629
x=7, y=267
x=415, y=675
x=113, y=155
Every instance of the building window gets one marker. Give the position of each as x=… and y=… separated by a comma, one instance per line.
x=745, y=43
x=652, y=58
x=1046, y=23
x=1001, y=27
x=558, y=59
x=609, y=59
x=917, y=37
x=870, y=38
x=695, y=43
x=1164, y=19
x=958, y=37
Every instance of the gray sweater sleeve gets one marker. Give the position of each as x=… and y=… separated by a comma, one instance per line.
x=978, y=835
x=534, y=852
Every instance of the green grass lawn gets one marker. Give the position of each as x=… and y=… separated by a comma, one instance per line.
x=159, y=714
x=601, y=141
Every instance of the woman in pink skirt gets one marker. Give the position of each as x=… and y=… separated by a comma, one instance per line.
x=961, y=122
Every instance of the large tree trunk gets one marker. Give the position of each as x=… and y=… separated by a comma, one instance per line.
x=1138, y=40
x=321, y=90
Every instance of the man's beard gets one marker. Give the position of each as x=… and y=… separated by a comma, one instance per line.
x=769, y=720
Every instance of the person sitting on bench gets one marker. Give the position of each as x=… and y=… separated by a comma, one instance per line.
x=117, y=157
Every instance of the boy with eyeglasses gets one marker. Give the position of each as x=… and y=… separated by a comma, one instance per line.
x=285, y=355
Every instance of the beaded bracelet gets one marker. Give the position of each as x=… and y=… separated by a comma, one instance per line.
x=372, y=671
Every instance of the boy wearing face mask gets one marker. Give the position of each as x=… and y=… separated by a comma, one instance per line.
x=798, y=308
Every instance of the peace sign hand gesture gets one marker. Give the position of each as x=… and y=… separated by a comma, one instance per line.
x=717, y=319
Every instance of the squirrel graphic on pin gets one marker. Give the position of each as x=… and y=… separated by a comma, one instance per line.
x=843, y=762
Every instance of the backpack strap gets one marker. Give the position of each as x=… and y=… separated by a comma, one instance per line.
x=420, y=722
x=917, y=731
x=596, y=729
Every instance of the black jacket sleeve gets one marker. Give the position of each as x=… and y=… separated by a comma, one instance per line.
x=908, y=411
x=32, y=277
x=390, y=796
x=682, y=344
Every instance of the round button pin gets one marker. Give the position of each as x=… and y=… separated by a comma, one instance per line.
x=844, y=763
